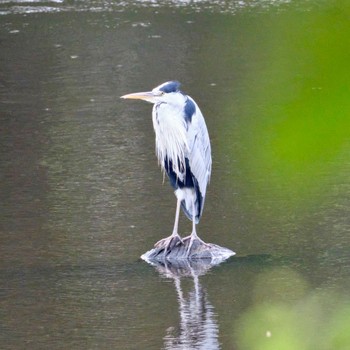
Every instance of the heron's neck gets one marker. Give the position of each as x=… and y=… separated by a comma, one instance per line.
x=171, y=139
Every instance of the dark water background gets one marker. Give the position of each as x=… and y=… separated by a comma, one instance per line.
x=82, y=196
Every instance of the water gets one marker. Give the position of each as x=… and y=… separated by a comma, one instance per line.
x=82, y=197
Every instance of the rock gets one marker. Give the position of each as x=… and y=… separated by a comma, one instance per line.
x=203, y=253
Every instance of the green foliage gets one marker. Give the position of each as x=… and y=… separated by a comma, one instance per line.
x=294, y=117
x=312, y=320
x=288, y=132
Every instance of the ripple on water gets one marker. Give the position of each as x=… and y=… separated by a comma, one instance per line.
x=49, y=6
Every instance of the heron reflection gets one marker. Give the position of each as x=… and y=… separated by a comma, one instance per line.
x=198, y=328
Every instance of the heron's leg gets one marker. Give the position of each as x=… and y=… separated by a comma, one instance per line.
x=177, y=214
x=174, y=238
x=193, y=235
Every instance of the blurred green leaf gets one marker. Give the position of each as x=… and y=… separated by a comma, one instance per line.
x=306, y=321
x=294, y=117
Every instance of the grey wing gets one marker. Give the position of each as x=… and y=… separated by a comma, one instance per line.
x=199, y=151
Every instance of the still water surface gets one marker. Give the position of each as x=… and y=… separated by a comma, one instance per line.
x=82, y=197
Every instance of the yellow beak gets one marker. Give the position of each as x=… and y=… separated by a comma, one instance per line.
x=146, y=96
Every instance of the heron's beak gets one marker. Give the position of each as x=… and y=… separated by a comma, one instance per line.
x=146, y=96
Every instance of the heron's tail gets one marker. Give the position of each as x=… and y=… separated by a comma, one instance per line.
x=190, y=196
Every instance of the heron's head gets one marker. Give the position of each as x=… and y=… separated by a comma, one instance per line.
x=168, y=92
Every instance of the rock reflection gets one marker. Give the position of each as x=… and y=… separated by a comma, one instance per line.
x=198, y=328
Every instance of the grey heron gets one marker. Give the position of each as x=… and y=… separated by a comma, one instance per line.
x=183, y=151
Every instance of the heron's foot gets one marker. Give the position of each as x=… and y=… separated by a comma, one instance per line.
x=169, y=243
x=194, y=241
